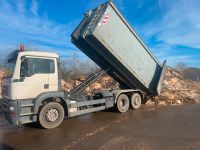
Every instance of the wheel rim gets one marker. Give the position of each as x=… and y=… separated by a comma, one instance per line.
x=123, y=103
x=52, y=115
x=137, y=101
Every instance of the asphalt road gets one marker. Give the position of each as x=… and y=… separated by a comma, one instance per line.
x=150, y=128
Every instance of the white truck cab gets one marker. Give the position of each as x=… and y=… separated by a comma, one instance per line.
x=30, y=77
x=30, y=73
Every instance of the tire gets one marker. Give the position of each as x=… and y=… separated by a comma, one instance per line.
x=136, y=101
x=51, y=115
x=123, y=103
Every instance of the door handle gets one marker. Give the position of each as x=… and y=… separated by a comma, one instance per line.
x=46, y=86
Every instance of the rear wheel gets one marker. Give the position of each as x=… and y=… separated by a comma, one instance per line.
x=51, y=115
x=122, y=104
x=136, y=101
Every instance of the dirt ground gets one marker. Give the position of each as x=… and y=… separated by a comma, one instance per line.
x=149, y=128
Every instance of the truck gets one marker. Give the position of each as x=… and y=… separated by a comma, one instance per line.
x=31, y=86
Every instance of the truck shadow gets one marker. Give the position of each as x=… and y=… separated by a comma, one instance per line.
x=111, y=110
x=33, y=125
x=6, y=147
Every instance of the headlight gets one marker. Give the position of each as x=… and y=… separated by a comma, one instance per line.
x=11, y=108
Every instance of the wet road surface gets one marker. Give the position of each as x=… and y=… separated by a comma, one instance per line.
x=150, y=128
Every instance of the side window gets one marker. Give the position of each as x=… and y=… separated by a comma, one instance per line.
x=31, y=66
x=36, y=65
x=50, y=68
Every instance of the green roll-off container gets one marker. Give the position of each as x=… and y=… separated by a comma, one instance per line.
x=106, y=37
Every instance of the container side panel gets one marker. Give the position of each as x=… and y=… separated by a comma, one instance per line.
x=106, y=37
x=122, y=43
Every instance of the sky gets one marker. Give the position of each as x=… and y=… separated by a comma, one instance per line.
x=170, y=28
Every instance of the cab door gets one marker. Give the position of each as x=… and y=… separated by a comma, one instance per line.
x=52, y=70
x=33, y=76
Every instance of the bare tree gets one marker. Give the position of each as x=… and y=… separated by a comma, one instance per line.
x=75, y=67
x=88, y=66
x=64, y=68
x=3, y=59
x=181, y=66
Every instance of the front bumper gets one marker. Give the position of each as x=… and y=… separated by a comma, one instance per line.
x=18, y=111
x=10, y=110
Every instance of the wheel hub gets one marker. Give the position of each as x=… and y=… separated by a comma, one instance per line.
x=137, y=101
x=123, y=103
x=52, y=115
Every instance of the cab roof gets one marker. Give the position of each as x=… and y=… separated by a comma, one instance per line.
x=39, y=54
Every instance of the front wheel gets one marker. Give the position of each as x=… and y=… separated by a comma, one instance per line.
x=51, y=115
x=122, y=104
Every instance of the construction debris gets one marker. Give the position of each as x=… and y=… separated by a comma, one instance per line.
x=176, y=89
x=104, y=82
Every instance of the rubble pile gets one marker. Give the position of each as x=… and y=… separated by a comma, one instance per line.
x=177, y=90
x=69, y=85
x=105, y=82
x=1, y=75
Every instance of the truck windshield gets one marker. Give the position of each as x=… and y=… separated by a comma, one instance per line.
x=9, y=69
